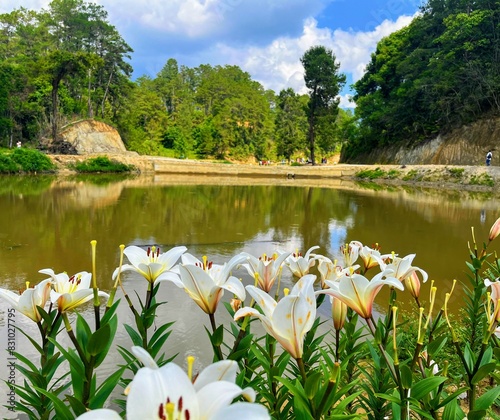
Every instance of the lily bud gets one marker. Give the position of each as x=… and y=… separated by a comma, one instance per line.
x=335, y=372
x=412, y=284
x=235, y=304
x=339, y=313
x=495, y=230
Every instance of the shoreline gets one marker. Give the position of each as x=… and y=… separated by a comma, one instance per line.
x=470, y=178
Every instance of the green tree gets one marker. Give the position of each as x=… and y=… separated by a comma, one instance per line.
x=291, y=123
x=239, y=109
x=322, y=78
x=142, y=120
x=438, y=73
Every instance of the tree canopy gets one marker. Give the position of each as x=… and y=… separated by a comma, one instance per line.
x=68, y=62
x=440, y=72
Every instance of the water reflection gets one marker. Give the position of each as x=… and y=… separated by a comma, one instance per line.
x=49, y=222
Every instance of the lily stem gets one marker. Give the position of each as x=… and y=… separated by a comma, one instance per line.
x=371, y=325
x=218, y=350
x=89, y=364
x=302, y=368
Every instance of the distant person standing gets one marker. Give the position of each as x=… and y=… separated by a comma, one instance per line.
x=488, y=158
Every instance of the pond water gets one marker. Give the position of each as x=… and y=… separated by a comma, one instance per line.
x=48, y=222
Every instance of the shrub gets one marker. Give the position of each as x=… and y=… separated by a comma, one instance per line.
x=103, y=164
x=31, y=160
x=7, y=165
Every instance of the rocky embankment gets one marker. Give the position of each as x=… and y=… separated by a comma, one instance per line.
x=479, y=178
x=438, y=160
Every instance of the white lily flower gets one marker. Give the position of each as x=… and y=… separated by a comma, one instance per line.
x=265, y=269
x=401, y=267
x=357, y=292
x=62, y=283
x=300, y=265
x=205, y=282
x=71, y=292
x=371, y=257
x=351, y=252
x=288, y=320
x=330, y=270
x=28, y=302
x=157, y=391
x=151, y=264
x=495, y=297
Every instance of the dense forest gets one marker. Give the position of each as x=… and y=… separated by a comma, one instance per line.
x=68, y=62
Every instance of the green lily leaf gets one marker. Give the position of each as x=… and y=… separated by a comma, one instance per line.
x=425, y=386
x=134, y=335
x=482, y=372
x=476, y=415
x=452, y=397
x=392, y=398
x=312, y=384
x=469, y=357
x=218, y=336
x=83, y=333
x=63, y=412
x=113, y=325
x=435, y=346
x=484, y=402
x=99, y=340
x=295, y=388
x=76, y=405
x=452, y=411
x=105, y=390
x=109, y=312
x=406, y=377
x=301, y=410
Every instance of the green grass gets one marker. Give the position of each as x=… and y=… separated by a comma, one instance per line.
x=371, y=173
x=483, y=179
x=412, y=175
x=102, y=164
x=393, y=174
x=456, y=172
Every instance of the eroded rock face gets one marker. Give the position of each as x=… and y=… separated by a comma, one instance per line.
x=467, y=145
x=90, y=136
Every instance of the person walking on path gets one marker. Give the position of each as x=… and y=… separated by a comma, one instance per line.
x=488, y=158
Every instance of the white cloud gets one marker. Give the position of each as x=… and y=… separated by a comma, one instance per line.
x=191, y=18
x=201, y=19
x=265, y=38
x=6, y=6
x=345, y=101
x=277, y=65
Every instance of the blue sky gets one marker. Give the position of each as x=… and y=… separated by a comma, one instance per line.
x=266, y=38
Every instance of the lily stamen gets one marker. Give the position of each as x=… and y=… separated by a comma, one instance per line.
x=190, y=362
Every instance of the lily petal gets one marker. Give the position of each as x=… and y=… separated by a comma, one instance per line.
x=225, y=370
x=144, y=357
x=100, y=414
x=236, y=287
x=243, y=411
